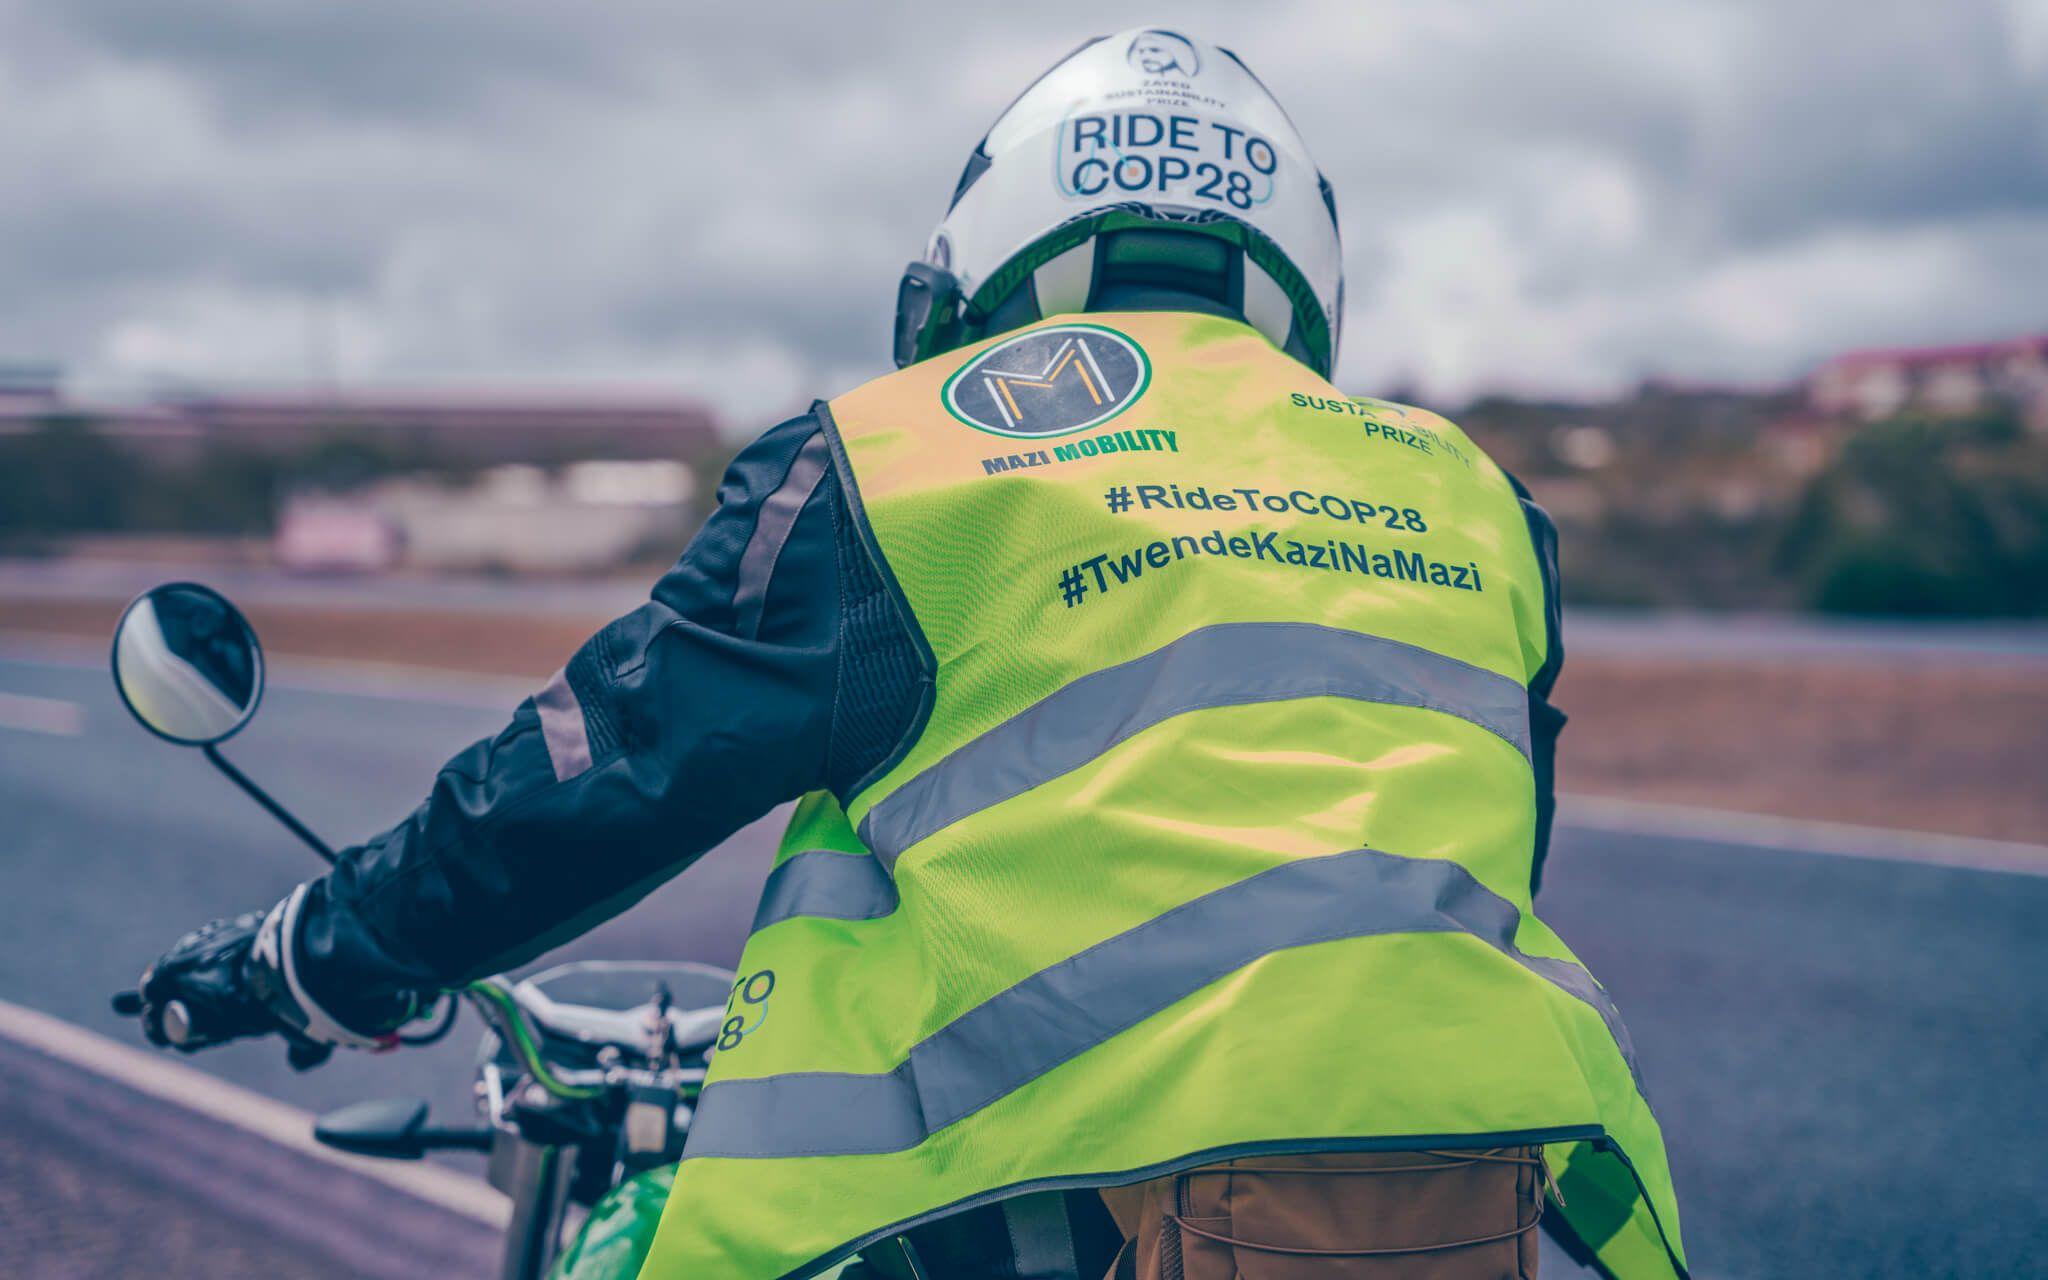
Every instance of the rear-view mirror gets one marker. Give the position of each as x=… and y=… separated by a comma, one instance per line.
x=187, y=664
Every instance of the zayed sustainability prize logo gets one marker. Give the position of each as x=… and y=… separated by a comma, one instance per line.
x=1049, y=382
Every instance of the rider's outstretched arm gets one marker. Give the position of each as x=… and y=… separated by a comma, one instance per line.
x=769, y=662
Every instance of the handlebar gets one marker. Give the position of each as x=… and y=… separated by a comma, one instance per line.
x=499, y=1004
x=495, y=999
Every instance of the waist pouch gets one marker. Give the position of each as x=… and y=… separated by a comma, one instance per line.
x=1408, y=1215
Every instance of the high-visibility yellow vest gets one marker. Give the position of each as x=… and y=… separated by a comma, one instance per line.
x=1214, y=838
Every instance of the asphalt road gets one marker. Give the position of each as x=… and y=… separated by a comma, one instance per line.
x=98, y=1182
x=1847, y=1053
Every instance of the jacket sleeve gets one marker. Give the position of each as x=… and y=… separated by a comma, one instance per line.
x=667, y=731
x=1545, y=720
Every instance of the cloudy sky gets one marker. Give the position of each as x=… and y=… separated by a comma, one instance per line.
x=1556, y=198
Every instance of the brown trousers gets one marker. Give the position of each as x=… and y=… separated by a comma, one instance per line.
x=1410, y=1215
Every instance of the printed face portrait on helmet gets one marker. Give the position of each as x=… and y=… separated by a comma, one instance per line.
x=1158, y=53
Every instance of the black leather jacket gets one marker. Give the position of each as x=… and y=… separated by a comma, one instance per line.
x=770, y=661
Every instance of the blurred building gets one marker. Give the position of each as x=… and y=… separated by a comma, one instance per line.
x=456, y=427
x=462, y=427
x=513, y=519
x=1940, y=381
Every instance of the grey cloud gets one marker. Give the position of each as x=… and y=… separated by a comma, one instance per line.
x=305, y=60
x=640, y=190
x=1900, y=115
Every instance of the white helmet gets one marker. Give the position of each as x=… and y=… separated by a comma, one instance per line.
x=1142, y=159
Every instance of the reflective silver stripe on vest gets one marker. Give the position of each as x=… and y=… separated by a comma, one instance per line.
x=827, y=883
x=1229, y=664
x=562, y=727
x=772, y=525
x=1059, y=1013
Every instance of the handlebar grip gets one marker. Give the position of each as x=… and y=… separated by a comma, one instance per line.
x=178, y=1026
x=174, y=1022
x=189, y=1028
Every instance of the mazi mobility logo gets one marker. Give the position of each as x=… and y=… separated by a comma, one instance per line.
x=1049, y=382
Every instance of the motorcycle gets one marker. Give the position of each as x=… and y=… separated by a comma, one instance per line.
x=587, y=1074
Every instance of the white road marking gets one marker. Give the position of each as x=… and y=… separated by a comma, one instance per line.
x=1800, y=835
x=41, y=715
x=162, y=1077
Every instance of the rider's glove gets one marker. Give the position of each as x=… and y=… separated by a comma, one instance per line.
x=237, y=977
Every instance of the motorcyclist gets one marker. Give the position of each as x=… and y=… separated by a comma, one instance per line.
x=1043, y=772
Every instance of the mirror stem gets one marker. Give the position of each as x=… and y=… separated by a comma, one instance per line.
x=262, y=797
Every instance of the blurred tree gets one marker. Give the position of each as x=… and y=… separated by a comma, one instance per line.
x=61, y=477
x=344, y=460
x=1927, y=516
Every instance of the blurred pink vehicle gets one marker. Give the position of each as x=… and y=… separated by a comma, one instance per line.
x=335, y=537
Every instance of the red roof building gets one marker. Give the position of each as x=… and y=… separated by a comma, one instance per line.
x=1943, y=381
